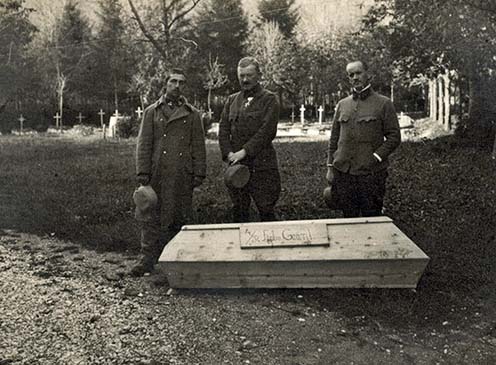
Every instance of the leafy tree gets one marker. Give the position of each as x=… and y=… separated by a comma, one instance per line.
x=16, y=32
x=161, y=42
x=215, y=79
x=220, y=29
x=283, y=12
x=113, y=59
x=282, y=60
x=69, y=50
x=431, y=36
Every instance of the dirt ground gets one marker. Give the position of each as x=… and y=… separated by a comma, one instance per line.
x=61, y=304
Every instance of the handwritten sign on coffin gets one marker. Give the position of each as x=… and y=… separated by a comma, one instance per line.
x=282, y=235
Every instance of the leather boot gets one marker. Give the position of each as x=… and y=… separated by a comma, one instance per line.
x=143, y=265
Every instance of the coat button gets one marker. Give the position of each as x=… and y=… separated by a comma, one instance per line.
x=182, y=137
x=180, y=153
x=161, y=119
x=165, y=152
x=165, y=135
x=184, y=122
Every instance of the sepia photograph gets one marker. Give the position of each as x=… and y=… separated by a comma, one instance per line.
x=265, y=182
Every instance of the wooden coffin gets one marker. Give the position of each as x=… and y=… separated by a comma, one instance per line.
x=340, y=253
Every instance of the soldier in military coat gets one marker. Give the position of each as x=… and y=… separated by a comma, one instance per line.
x=247, y=126
x=364, y=133
x=171, y=157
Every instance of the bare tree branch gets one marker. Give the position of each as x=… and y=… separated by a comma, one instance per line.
x=165, y=17
x=186, y=41
x=153, y=41
x=168, y=8
x=194, y=3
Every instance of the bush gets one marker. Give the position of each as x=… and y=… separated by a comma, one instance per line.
x=128, y=127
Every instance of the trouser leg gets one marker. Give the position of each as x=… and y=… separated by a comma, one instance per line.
x=265, y=188
x=150, y=238
x=240, y=205
x=346, y=191
x=150, y=248
x=372, y=190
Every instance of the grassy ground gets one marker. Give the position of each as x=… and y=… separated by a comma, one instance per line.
x=441, y=193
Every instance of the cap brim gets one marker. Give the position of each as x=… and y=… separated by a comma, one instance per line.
x=237, y=176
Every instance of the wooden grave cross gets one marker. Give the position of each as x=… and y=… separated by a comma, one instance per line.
x=302, y=114
x=320, y=110
x=139, y=111
x=21, y=123
x=292, y=114
x=101, y=113
x=80, y=117
x=57, y=118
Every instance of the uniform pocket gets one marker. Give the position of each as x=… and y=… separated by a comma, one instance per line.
x=344, y=118
x=369, y=128
x=254, y=115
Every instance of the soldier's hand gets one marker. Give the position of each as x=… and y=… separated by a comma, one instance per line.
x=330, y=174
x=237, y=156
x=143, y=179
x=197, y=181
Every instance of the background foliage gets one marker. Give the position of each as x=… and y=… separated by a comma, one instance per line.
x=120, y=58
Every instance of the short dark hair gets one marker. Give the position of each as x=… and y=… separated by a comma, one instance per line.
x=248, y=61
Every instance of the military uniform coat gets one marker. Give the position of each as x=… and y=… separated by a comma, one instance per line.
x=171, y=150
x=362, y=127
x=251, y=125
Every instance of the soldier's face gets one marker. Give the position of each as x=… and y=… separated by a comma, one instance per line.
x=248, y=77
x=358, y=76
x=175, y=85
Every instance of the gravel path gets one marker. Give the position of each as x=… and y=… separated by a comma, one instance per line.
x=60, y=304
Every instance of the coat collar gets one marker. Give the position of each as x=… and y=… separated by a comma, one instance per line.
x=184, y=108
x=182, y=101
x=361, y=94
x=255, y=91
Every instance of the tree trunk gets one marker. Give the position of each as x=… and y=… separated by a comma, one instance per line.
x=61, y=107
x=208, y=100
x=434, y=99
x=116, y=98
x=60, y=91
x=473, y=124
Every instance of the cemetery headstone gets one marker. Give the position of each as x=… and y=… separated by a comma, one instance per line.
x=302, y=114
x=405, y=121
x=112, y=128
x=139, y=111
x=57, y=118
x=321, y=112
x=80, y=118
x=101, y=113
x=21, y=123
